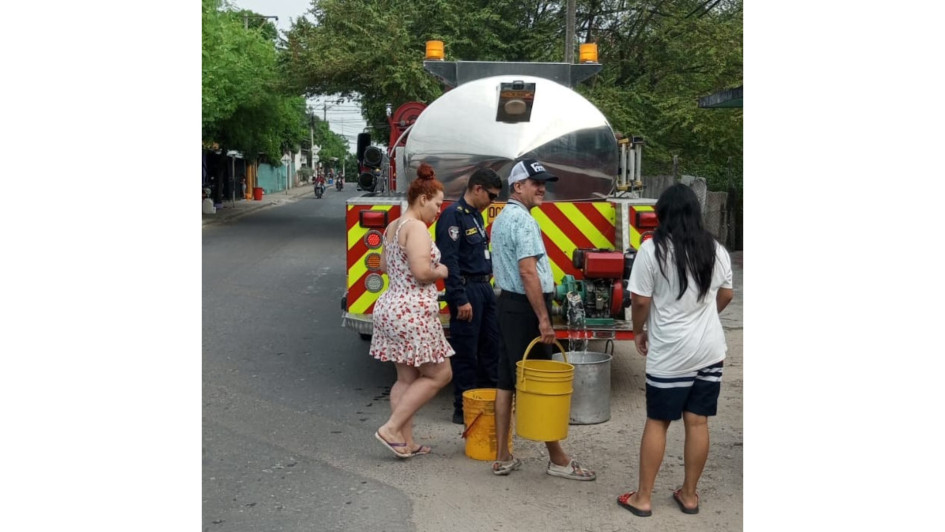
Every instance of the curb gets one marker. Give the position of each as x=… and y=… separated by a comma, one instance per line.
x=228, y=214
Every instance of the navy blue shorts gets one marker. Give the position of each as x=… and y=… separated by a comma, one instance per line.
x=696, y=392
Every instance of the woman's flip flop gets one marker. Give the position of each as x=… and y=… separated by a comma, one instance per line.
x=392, y=447
x=423, y=449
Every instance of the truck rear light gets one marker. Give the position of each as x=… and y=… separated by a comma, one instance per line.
x=647, y=220
x=374, y=219
x=373, y=261
x=373, y=239
x=374, y=283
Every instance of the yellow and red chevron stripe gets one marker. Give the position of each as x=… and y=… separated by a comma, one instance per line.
x=361, y=301
x=567, y=226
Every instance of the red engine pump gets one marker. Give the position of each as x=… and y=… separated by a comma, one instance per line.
x=603, y=291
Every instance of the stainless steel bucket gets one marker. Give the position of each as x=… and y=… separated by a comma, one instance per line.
x=590, y=401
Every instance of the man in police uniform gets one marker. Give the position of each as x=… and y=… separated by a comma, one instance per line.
x=464, y=245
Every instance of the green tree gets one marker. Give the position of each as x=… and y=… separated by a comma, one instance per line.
x=375, y=48
x=659, y=57
x=246, y=107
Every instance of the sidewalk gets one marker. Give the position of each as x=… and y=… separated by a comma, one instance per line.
x=241, y=207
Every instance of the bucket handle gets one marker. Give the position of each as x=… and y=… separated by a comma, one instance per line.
x=465, y=432
x=529, y=348
x=538, y=339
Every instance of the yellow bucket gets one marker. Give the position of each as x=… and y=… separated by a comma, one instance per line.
x=479, y=417
x=543, y=397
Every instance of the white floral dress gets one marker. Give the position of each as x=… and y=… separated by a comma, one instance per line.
x=407, y=327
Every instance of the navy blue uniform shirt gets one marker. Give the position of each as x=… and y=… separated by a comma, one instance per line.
x=462, y=240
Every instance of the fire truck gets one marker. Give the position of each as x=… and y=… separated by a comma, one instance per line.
x=493, y=114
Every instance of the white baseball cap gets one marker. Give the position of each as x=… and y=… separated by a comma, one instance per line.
x=530, y=169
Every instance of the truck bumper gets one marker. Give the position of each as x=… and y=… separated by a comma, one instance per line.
x=362, y=323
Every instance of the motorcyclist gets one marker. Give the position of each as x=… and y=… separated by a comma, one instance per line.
x=319, y=185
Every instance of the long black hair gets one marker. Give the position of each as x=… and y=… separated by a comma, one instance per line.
x=680, y=222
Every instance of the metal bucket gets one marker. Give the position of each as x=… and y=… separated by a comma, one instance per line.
x=590, y=401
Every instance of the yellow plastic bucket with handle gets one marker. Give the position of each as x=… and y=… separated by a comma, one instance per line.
x=479, y=418
x=543, y=396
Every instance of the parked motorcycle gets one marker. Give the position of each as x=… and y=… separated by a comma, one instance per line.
x=319, y=190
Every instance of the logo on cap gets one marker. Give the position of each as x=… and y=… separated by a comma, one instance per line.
x=530, y=169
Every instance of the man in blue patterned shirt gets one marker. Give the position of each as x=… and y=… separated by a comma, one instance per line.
x=522, y=270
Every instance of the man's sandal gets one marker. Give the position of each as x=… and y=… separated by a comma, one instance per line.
x=504, y=468
x=572, y=471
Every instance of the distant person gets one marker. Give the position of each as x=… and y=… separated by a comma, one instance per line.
x=523, y=272
x=474, y=332
x=208, y=207
x=407, y=329
x=681, y=280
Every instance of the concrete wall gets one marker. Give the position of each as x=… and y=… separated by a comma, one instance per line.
x=714, y=204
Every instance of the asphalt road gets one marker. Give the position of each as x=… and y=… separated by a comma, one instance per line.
x=291, y=401
x=288, y=395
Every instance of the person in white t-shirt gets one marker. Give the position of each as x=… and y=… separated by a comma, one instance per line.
x=681, y=279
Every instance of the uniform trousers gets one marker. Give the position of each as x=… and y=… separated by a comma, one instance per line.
x=476, y=343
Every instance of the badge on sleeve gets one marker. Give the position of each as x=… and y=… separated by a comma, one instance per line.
x=454, y=232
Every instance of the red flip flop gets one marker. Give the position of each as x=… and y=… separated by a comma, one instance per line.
x=624, y=499
x=682, y=507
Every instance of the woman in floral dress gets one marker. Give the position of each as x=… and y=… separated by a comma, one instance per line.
x=407, y=329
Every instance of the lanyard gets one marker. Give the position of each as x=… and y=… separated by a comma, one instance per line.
x=474, y=214
x=478, y=226
x=520, y=204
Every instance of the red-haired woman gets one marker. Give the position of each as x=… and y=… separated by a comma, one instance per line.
x=407, y=328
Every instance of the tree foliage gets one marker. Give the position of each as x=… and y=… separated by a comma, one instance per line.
x=332, y=144
x=659, y=57
x=246, y=106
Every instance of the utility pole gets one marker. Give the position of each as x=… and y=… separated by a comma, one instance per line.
x=325, y=108
x=569, y=34
x=311, y=146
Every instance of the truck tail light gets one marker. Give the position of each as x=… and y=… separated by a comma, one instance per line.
x=646, y=220
x=373, y=239
x=373, y=261
x=373, y=219
x=374, y=283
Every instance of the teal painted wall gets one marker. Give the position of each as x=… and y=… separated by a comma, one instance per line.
x=272, y=178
